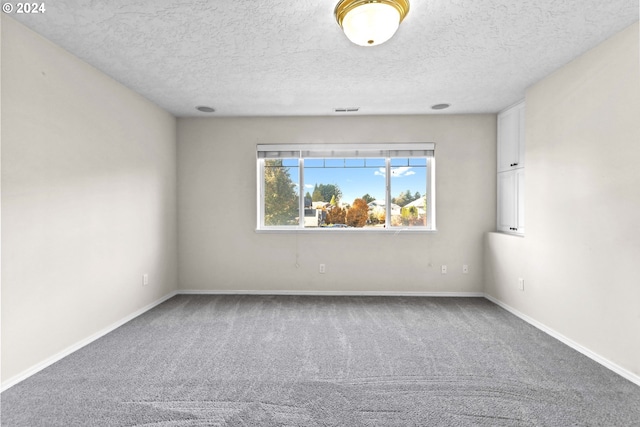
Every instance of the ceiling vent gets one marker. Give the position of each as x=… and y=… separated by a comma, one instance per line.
x=205, y=109
x=440, y=106
x=346, y=110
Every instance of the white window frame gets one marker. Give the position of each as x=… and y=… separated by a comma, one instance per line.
x=386, y=151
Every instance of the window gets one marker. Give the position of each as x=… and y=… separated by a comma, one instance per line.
x=346, y=186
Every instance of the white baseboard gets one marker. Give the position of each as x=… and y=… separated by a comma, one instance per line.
x=334, y=293
x=77, y=346
x=574, y=345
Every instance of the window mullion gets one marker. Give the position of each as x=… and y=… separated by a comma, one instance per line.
x=387, y=190
x=301, y=191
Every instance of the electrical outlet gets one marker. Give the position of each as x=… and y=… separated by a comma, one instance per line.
x=465, y=269
x=322, y=269
x=521, y=284
x=444, y=269
x=145, y=279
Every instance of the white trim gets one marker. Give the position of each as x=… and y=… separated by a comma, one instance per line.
x=386, y=151
x=332, y=293
x=259, y=193
x=510, y=106
x=355, y=230
x=77, y=346
x=428, y=146
x=574, y=345
x=431, y=193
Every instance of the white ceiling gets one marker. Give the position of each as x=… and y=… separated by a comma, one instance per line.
x=289, y=57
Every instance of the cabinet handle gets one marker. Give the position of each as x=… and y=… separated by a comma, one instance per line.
x=514, y=164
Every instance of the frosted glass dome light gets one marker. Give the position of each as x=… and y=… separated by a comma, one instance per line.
x=370, y=22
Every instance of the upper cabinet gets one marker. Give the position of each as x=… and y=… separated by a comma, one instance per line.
x=511, y=138
x=510, y=191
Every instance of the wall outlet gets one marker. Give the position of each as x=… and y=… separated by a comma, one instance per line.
x=521, y=284
x=465, y=269
x=443, y=269
x=322, y=269
x=145, y=279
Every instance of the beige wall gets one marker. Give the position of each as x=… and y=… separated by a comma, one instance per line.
x=581, y=254
x=220, y=250
x=88, y=200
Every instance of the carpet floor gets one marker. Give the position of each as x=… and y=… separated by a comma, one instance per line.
x=234, y=360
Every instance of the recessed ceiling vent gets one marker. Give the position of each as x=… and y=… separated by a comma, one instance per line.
x=346, y=110
x=205, y=109
x=440, y=106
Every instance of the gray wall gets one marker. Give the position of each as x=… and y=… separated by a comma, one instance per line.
x=88, y=200
x=220, y=250
x=580, y=257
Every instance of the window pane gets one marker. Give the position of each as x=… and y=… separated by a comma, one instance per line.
x=281, y=186
x=290, y=163
x=408, y=192
x=344, y=193
x=314, y=163
x=334, y=163
x=375, y=163
x=399, y=161
x=354, y=163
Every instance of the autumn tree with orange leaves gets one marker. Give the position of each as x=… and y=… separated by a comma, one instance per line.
x=358, y=213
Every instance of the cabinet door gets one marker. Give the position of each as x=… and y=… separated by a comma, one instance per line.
x=511, y=138
x=520, y=201
x=511, y=201
x=520, y=159
x=507, y=201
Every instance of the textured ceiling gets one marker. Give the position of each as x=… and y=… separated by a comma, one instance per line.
x=289, y=57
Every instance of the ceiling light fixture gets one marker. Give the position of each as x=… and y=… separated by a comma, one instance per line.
x=370, y=22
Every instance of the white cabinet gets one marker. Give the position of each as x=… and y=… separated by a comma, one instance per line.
x=511, y=138
x=511, y=201
x=510, y=212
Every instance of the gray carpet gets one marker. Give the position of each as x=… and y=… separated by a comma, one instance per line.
x=324, y=361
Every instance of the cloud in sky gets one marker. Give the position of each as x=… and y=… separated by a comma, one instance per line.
x=398, y=172
x=402, y=171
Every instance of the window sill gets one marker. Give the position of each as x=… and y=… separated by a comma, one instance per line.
x=510, y=233
x=346, y=231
